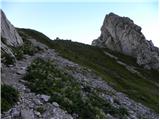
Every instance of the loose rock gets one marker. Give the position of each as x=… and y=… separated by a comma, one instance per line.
x=45, y=97
x=27, y=114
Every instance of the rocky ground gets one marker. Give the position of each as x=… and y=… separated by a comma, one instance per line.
x=32, y=105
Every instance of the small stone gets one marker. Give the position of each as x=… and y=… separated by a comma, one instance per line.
x=22, y=88
x=109, y=116
x=18, y=103
x=37, y=113
x=111, y=100
x=15, y=113
x=37, y=101
x=23, y=68
x=23, y=81
x=10, y=65
x=55, y=104
x=45, y=97
x=21, y=72
x=27, y=114
x=132, y=116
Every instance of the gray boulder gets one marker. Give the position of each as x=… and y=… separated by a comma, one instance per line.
x=55, y=104
x=53, y=112
x=21, y=72
x=45, y=98
x=15, y=113
x=122, y=35
x=27, y=114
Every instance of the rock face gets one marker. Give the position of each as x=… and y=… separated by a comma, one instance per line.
x=9, y=36
x=122, y=35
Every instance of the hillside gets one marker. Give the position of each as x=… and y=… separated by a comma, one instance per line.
x=140, y=82
x=62, y=79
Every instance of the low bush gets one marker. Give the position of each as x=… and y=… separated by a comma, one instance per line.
x=7, y=59
x=9, y=96
x=26, y=48
x=41, y=109
x=45, y=78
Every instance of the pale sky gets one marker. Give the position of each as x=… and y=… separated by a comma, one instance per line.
x=80, y=20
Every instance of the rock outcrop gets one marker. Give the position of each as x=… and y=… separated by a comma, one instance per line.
x=9, y=36
x=122, y=35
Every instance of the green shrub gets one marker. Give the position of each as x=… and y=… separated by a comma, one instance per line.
x=9, y=96
x=122, y=111
x=45, y=78
x=18, y=52
x=41, y=109
x=26, y=48
x=7, y=59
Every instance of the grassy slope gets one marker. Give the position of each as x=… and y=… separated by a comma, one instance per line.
x=137, y=88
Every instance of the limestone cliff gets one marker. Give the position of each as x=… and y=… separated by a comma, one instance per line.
x=122, y=35
x=9, y=36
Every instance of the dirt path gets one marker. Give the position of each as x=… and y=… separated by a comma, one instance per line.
x=29, y=102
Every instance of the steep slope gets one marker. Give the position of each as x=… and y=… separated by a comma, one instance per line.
x=122, y=35
x=51, y=86
x=117, y=75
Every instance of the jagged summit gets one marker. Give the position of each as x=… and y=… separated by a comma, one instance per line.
x=9, y=33
x=9, y=36
x=122, y=35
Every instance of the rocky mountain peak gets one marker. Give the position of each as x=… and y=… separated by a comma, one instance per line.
x=9, y=36
x=122, y=35
x=9, y=33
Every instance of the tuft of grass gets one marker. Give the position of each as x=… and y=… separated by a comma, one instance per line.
x=9, y=96
x=144, y=90
x=41, y=109
x=26, y=48
x=7, y=59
